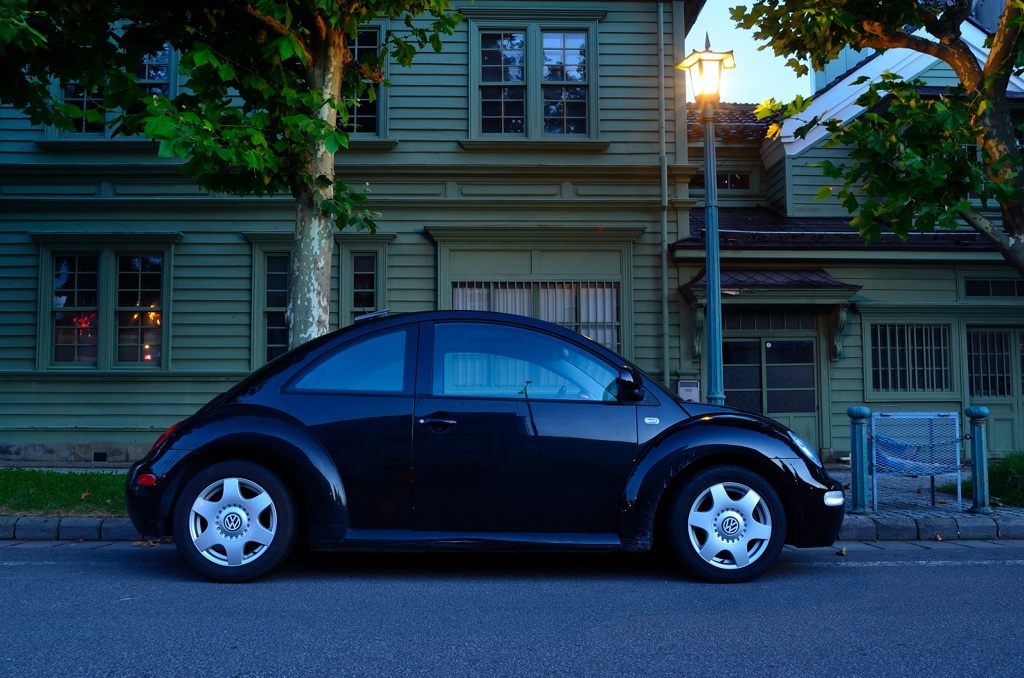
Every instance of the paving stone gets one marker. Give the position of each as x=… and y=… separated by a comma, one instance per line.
x=858, y=528
x=36, y=528
x=976, y=527
x=7, y=526
x=118, y=529
x=930, y=528
x=75, y=528
x=896, y=528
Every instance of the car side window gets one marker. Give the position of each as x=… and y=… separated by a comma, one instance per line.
x=484, y=360
x=379, y=363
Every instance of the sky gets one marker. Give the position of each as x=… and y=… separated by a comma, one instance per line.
x=758, y=75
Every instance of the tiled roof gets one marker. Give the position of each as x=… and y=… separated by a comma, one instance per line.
x=814, y=278
x=764, y=228
x=733, y=122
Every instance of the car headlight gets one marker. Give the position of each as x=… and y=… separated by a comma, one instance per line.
x=805, y=449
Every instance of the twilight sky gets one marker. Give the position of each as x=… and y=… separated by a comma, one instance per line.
x=758, y=75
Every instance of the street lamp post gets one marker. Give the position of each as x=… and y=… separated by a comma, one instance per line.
x=705, y=72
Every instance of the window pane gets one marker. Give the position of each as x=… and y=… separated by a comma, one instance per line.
x=494, y=361
x=364, y=283
x=139, y=312
x=372, y=364
x=363, y=116
x=154, y=73
x=565, y=110
x=88, y=100
x=74, y=312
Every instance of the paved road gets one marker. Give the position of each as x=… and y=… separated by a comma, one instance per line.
x=113, y=609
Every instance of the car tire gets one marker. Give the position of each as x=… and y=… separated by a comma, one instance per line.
x=726, y=525
x=234, y=522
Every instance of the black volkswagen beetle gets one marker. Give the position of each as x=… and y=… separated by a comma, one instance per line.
x=454, y=429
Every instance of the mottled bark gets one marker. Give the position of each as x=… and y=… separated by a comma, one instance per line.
x=309, y=307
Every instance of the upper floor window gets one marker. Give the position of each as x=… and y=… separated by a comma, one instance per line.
x=157, y=75
x=535, y=80
x=364, y=116
x=994, y=288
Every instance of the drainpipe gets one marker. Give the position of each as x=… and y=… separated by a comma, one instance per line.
x=663, y=167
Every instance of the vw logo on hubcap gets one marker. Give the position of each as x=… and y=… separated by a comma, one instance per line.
x=730, y=526
x=233, y=522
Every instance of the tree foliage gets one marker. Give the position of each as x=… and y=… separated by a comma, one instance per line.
x=919, y=155
x=266, y=83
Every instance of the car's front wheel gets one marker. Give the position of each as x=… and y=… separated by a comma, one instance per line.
x=234, y=522
x=727, y=524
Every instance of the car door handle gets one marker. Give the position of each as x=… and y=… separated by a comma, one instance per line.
x=437, y=421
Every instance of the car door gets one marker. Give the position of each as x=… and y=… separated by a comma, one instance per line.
x=358, y=401
x=517, y=430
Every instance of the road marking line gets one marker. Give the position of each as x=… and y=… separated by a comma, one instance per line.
x=906, y=563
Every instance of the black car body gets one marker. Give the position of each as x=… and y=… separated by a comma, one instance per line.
x=455, y=429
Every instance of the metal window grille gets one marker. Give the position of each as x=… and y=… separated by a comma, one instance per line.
x=590, y=308
x=910, y=358
x=990, y=369
x=276, y=301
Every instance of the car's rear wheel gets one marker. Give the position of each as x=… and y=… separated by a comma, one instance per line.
x=234, y=521
x=727, y=524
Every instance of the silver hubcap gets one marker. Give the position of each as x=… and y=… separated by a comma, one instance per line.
x=232, y=522
x=729, y=525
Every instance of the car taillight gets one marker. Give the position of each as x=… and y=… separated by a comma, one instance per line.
x=146, y=480
x=166, y=434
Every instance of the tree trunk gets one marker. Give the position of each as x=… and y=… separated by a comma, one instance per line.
x=309, y=297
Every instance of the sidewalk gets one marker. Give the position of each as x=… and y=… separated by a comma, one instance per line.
x=904, y=513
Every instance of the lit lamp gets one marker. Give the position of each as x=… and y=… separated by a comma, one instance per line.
x=705, y=74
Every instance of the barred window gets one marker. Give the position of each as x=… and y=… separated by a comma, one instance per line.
x=591, y=308
x=276, y=303
x=910, y=358
x=989, y=362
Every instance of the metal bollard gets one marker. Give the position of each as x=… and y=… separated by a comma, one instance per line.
x=859, y=458
x=979, y=460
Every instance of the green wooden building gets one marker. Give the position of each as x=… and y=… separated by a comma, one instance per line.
x=128, y=298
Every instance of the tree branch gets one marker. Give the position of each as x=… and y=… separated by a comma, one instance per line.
x=951, y=49
x=1005, y=45
x=280, y=29
x=982, y=225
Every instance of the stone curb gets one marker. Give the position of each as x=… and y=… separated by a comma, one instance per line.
x=930, y=528
x=71, y=528
x=855, y=528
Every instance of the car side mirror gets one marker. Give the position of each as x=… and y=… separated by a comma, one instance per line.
x=630, y=386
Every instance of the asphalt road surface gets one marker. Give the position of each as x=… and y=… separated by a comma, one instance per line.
x=891, y=609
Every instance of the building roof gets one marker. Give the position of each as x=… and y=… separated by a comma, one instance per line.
x=733, y=122
x=780, y=279
x=764, y=228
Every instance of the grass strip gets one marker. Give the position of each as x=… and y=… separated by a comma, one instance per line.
x=1005, y=482
x=31, y=492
